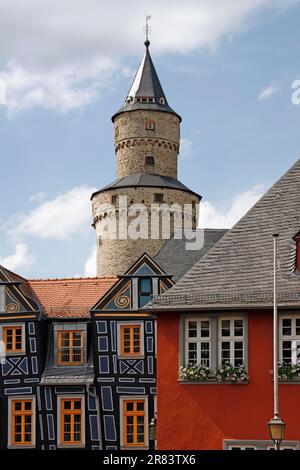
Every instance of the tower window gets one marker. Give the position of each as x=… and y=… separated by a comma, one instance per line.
x=297, y=241
x=149, y=160
x=150, y=125
x=158, y=197
x=162, y=100
x=114, y=199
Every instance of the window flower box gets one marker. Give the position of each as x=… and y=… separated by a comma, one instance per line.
x=226, y=373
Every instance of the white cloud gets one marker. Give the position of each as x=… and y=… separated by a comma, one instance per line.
x=60, y=218
x=268, y=92
x=38, y=197
x=62, y=55
x=19, y=259
x=211, y=217
x=90, y=267
x=185, y=147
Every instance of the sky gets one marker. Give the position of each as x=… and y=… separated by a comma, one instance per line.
x=228, y=67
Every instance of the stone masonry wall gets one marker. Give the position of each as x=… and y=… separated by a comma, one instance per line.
x=114, y=257
x=133, y=142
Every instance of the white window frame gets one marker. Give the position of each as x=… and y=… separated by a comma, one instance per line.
x=199, y=340
x=293, y=338
x=60, y=397
x=8, y=325
x=230, y=444
x=9, y=437
x=134, y=397
x=231, y=339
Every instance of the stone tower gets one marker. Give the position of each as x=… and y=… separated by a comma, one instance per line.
x=147, y=138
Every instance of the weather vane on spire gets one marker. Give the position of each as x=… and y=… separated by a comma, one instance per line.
x=147, y=30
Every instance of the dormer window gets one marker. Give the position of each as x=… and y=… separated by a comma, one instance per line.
x=150, y=125
x=70, y=348
x=297, y=263
x=162, y=100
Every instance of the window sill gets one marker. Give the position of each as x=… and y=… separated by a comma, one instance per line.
x=289, y=381
x=211, y=382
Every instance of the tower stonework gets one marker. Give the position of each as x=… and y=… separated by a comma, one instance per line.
x=147, y=139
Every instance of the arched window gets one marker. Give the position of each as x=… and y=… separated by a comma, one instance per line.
x=297, y=241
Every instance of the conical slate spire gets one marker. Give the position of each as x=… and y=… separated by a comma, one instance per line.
x=146, y=91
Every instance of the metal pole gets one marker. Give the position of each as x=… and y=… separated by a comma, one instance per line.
x=275, y=336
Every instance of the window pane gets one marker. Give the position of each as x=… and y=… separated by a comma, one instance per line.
x=238, y=328
x=192, y=353
x=287, y=352
x=205, y=328
x=192, y=329
x=225, y=327
x=286, y=326
x=298, y=326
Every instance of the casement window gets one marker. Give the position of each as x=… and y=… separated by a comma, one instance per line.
x=289, y=338
x=22, y=422
x=212, y=340
x=131, y=340
x=71, y=431
x=134, y=422
x=70, y=348
x=198, y=342
x=145, y=291
x=13, y=338
x=231, y=341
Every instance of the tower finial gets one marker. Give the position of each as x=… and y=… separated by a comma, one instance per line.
x=147, y=31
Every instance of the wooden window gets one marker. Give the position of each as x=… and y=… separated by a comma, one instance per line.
x=71, y=421
x=131, y=340
x=150, y=125
x=158, y=197
x=13, y=339
x=134, y=419
x=145, y=291
x=289, y=338
x=70, y=348
x=22, y=414
x=149, y=160
x=231, y=341
x=198, y=342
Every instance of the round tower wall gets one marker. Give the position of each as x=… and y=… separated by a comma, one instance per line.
x=145, y=133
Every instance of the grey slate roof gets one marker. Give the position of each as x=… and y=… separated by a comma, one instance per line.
x=176, y=260
x=65, y=375
x=147, y=180
x=238, y=270
x=146, y=84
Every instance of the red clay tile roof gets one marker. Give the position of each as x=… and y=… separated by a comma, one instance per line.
x=70, y=298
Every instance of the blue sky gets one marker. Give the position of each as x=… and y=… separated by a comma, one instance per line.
x=228, y=73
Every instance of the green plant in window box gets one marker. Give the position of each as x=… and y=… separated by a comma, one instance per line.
x=226, y=373
x=229, y=373
x=289, y=371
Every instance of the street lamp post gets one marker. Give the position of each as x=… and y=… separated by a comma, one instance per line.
x=276, y=424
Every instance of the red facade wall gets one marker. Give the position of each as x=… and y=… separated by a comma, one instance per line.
x=200, y=416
